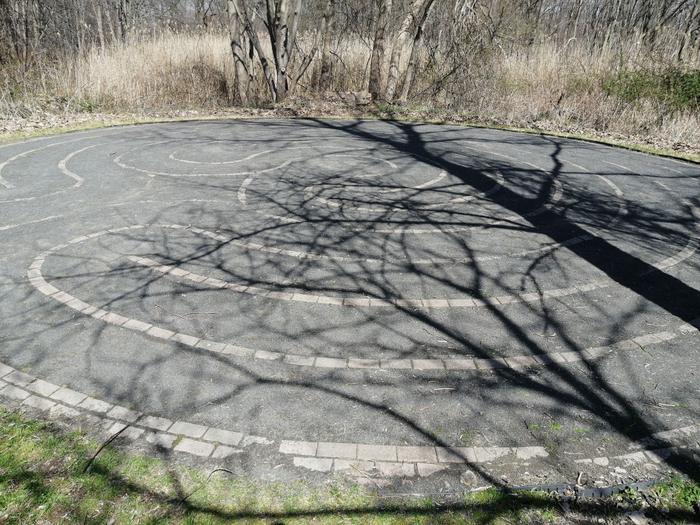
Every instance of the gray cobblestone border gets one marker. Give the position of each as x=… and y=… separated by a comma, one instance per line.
x=181, y=436
x=360, y=301
x=648, y=450
x=452, y=364
x=556, y=196
x=386, y=461
x=241, y=194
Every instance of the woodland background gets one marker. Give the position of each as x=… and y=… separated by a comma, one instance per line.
x=623, y=68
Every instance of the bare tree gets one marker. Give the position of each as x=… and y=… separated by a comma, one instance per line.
x=379, y=49
x=405, y=43
x=274, y=43
x=97, y=7
x=21, y=19
x=411, y=66
x=282, y=25
x=241, y=59
x=324, y=78
x=123, y=17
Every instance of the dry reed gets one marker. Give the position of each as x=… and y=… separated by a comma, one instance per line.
x=549, y=86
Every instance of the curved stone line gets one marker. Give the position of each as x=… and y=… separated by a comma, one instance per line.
x=37, y=280
x=465, y=198
x=558, y=192
x=117, y=160
x=558, y=188
x=441, y=175
x=3, y=165
x=386, y=161
x=62, y=166
x=218, y=443
x=255, y=155
x=625, y=168
x=368, y=260
x=690, y=248
x=401, y=229
x=498, y=154
x=36, y=221
x=162, y=432
x=430, y=454
x=686, y=252
x=647, y=155
x=355, y=301
x=174, y=157
x=427, y=184
x=249, y=157
x=622, y=209
x=114, y=205
x=425, y=303
x=309, y=193
x=242, y=190
x=422, y=262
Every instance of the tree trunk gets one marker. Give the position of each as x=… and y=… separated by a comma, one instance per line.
x=415, y=18
x=686, y=34
x=278, y=26
x=79, y=22
x=324, y=79
x=123, y=17
x=199, y=13
x=21, y=42
x=398, y=49
x=413, y=57
x=378, y=50
x=242, y=11
x=240, y=59
x=98, y=19
x=110, y=24
x=282, y=27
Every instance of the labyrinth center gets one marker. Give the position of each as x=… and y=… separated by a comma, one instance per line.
x=218, y=274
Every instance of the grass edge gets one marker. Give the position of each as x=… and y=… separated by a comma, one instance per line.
x=21, y=136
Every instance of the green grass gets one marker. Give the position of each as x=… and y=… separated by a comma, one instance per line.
x=555, y=427
x=680, y=492
x=42, y=480
x=677, y=89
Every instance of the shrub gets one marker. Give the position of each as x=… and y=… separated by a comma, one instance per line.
x=678, y=89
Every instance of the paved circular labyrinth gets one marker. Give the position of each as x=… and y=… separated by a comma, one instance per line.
x=381, y=299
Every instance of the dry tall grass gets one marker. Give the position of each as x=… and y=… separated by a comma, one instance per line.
x=167, y=70
x=549, y=86
x=561, y=88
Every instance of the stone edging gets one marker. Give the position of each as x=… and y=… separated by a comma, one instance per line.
x=180, y=436
x=209, y=442
x=62, y=166
x=449, y=363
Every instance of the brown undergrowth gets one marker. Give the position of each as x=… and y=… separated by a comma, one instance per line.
x=595, y=94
